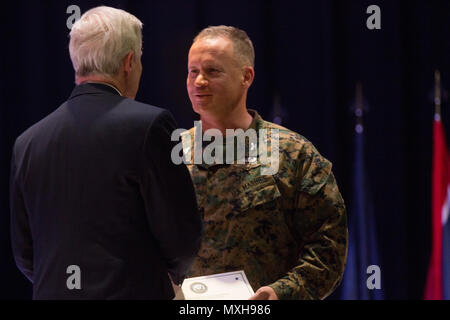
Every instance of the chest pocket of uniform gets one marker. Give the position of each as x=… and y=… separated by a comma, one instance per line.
x=255, y=189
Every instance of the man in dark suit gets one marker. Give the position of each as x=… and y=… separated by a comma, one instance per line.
x=98, y=209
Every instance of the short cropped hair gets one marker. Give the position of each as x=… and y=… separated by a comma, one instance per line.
x=101, y=38
x=242, y=44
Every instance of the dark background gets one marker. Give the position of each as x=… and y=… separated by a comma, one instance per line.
x=309, y=57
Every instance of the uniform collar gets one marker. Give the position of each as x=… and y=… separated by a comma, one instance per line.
x=257, y=120
x=188, y=146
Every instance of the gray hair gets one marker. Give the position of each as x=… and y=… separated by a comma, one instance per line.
x=101, y=38
x=242, y=45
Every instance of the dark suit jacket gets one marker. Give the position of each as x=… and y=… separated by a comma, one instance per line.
x=93, y=185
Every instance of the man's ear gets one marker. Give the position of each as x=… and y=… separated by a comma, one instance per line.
x=249, y=75
x=128, y=62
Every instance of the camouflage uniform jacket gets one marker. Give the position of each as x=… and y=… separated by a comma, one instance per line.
x=287, y=230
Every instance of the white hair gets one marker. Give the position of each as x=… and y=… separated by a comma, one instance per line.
x=101, y=38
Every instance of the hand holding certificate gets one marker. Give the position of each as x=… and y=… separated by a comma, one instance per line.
x=222, y=286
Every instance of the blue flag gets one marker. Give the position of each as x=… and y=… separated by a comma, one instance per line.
x=363, y=273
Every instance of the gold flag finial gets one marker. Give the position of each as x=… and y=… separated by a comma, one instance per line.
x=437, y=93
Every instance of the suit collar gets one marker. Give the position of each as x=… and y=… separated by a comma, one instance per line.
x=92, y=88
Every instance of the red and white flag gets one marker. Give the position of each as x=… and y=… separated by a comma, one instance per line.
x=438, y=280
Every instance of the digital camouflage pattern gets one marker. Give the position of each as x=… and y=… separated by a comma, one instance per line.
x=287, y=230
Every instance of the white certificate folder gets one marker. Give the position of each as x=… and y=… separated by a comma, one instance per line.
x=222, y=286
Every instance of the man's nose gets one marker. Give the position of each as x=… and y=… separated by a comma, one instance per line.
x=201, y=81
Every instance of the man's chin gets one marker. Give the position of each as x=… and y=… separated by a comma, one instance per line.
x=203, y=108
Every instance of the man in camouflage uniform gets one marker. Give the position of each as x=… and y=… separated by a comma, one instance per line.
x=287, y=231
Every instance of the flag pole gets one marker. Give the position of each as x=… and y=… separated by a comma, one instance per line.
x=359, y=109
x=437, y=94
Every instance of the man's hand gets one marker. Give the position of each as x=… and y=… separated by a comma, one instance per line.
x=264, y=293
